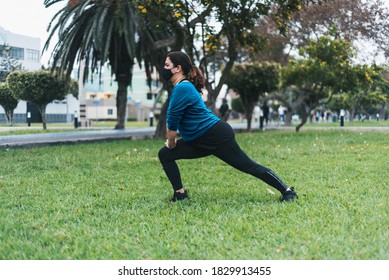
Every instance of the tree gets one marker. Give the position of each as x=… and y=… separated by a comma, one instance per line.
x=362, y=90
x=383, y=86
x=237, y=106
x=211, y=32
x=8, y=102
x=314, y=79
x=356, y=21
x=326, y=70
x=39, y=87
x=88, y=28
x=73, y=87
x=368, y=93
x=7, y=62
x=96, y=31
x=251, y=81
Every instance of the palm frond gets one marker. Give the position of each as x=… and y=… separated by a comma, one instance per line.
x=48, y=3
x=96, y=32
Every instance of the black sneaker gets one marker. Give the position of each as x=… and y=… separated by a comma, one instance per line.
x=179, y=196
x=288, y=195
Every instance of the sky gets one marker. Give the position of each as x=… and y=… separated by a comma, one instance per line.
x=28, y=17
x=31, y=18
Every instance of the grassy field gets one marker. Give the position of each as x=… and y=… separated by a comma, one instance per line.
x=110, y=201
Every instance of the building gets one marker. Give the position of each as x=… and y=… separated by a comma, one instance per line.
x=97, y=98
x=23, y=48
x=27, y=50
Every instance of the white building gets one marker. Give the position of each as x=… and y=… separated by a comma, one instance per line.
x=23, y=48
x=98, y=97
x=27, y=50
x=99, y=93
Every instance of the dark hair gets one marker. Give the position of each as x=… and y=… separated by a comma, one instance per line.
x=191, y=72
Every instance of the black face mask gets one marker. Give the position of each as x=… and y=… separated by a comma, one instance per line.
x=167, y=74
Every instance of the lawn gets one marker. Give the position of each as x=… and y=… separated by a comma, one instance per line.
x=110, y=201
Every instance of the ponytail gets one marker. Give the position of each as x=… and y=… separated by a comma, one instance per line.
x=195, y=76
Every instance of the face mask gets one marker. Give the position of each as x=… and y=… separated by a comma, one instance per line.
x=167, y=74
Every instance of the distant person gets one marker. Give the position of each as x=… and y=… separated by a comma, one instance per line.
x=265, y=111
x=224, y=110
x=281, y=113
x=256, y=113
x=322, y=115
x=202, y=132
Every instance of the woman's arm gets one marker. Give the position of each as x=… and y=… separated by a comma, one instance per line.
x=171, y=139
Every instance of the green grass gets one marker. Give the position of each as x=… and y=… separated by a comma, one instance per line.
x=110, y=201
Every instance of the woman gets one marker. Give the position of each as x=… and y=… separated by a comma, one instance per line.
x=202, y=133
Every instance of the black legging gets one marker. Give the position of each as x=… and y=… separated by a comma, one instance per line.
x=220, y=142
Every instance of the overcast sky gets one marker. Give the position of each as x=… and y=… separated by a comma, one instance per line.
x=27, y=17
x=31, y=18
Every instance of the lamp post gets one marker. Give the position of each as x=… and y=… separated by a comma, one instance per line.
x=29, y=118
x=342, y=113
x=151, y=118
x=261, y=119
x=75, y=119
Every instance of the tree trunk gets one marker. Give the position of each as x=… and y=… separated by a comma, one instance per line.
x=382, y=110
x=121, y=103
x=213, y=93
x=161, y=126
x=288, y=118
x=352, y=114
x=304, y=118
x=42, y=109
x=123, y=69
x=10, y=115
x=310, y=117
x=249, y=118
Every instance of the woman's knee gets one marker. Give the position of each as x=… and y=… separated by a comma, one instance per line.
x=163, y=154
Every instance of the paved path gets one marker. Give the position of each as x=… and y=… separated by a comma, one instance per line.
x=73, y=137
x=87, y=135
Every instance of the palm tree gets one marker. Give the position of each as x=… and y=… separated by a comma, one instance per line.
x=95, y=32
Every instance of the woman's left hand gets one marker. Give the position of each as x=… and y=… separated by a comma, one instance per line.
x=170, y=144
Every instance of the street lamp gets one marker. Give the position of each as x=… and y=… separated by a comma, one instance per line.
x=151, y=118
x=75, y=119
x=342, y=113
x=261, y=119
x=29, y=118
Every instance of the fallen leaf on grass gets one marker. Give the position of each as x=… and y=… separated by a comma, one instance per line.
x=270, y=191
x=280, y=249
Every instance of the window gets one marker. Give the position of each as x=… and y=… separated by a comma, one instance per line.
x=17, y=53
x=110, y=112
x=32, y=55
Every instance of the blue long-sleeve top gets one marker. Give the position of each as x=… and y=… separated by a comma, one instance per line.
x=187, y=112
